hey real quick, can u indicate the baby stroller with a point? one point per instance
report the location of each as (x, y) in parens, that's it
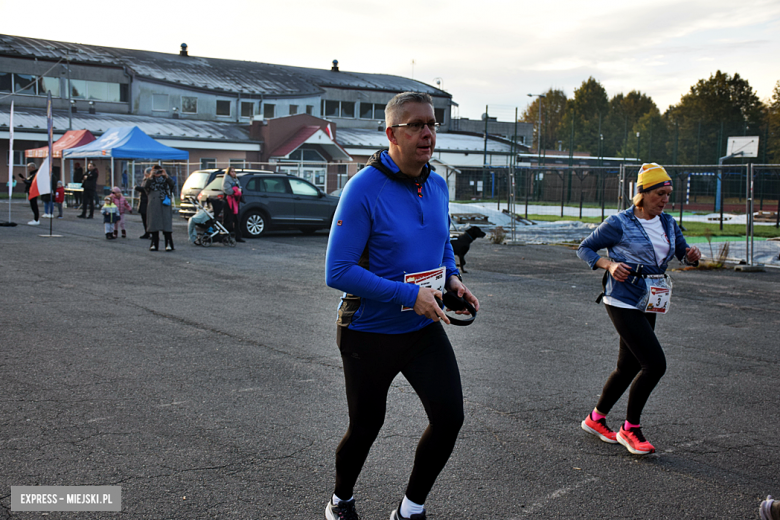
(204, 229)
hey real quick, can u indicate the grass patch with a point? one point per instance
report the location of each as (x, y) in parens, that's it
(692, 229)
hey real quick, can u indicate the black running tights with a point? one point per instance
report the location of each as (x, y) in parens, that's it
(371, 362)
(641, 362)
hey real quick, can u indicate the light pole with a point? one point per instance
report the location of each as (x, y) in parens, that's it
(637, 147)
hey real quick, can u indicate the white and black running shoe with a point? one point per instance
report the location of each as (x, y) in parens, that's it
(396, 515)
(344, 511)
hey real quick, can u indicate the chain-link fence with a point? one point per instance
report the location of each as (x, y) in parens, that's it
(714, 194)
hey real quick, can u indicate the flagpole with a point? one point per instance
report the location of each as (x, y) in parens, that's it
(50, 129)
(10, 168)
(50, 159)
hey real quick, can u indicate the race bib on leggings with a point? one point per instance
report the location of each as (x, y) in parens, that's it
(433, 279)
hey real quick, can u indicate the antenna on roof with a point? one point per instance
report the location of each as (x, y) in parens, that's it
(335, 67)
(183, 51)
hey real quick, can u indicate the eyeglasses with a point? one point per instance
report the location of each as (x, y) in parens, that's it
(418, 126)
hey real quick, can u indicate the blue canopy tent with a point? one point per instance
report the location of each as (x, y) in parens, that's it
(125, 143)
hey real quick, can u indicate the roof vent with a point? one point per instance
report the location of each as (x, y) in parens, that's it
(183, 51)
(335, 67)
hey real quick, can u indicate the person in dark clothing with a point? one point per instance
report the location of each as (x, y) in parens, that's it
(89, 183)
(32, 170)
(143, 200)
(78, 177)
(159, 211)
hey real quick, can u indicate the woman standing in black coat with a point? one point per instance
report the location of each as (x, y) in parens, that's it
(159, 215)
(143, 200)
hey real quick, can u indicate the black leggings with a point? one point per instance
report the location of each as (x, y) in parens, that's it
(371, 362)
(34, 208)
(640, 353)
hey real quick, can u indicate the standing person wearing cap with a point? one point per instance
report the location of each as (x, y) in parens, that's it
(390, 230)
(641, 241)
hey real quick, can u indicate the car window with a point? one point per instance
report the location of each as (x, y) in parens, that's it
(196, 180)
(300, 187)
(254, 184)
(274, 185)
(216, 184)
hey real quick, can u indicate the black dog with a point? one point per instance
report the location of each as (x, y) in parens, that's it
(462, 243)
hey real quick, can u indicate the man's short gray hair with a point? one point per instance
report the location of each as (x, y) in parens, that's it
(31, 163)
(394, 108)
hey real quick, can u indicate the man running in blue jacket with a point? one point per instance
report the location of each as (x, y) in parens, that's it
(389, 251)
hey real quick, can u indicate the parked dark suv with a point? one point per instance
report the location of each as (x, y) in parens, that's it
(198, 180)
(278, 201)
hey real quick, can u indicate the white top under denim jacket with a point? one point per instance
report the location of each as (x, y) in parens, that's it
(627, 242)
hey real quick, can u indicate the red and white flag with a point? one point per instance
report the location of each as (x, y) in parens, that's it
(41, 184)
(329, 131)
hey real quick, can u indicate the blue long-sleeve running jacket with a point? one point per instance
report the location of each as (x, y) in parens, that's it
(386, 225)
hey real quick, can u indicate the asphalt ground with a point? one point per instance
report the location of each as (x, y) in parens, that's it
(207, 384)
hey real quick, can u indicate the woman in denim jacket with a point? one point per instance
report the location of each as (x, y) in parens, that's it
(640, 241)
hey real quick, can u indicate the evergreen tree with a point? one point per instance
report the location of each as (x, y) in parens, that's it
(587, 111)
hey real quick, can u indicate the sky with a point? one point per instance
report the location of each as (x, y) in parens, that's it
(486, 53)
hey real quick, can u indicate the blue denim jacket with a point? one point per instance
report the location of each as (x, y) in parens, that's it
(626, 241)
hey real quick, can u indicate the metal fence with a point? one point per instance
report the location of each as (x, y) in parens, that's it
(716, 194)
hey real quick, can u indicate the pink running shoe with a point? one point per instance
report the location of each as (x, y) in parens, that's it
(599, 429)
(634, 441)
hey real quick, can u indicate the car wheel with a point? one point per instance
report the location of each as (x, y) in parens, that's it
(254, 224)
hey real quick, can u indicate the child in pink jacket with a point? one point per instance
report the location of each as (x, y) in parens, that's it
(124, 207)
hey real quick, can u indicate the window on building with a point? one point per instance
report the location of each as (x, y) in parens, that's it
(247, 109)
(366, 111)
(207, 164)
(306, 155)
(97, 90)
(189, 105)
(160, 102)
(114, 92)
(379, 111)
(332, 109)
(49, 85)
(78, 89)
(24, 84)
(439, 114)
(237, 163)
(310, 109)
(223, 107)
(293, 109)
(19, 158)
(6, 82)
(269, 110)
(347, 109)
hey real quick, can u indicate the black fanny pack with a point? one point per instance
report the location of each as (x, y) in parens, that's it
(453, 302)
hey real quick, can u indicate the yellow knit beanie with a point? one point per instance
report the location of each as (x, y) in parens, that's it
(652, 176)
